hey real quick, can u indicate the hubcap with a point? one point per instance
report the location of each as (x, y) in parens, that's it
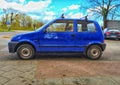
(25, 52)
(95, 52)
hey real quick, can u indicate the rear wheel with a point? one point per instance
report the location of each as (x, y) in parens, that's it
(94, 52)
(25, 51)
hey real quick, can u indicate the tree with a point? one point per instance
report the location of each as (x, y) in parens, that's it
(28, 21)
(18, 20)
(11, 13)
(105, 8)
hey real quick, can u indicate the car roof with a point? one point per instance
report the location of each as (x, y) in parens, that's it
(74, 19)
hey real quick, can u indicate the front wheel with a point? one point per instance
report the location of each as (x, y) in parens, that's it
(25, 51)
(94, 52)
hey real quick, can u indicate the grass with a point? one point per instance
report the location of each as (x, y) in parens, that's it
(12, 29)
(3, 30)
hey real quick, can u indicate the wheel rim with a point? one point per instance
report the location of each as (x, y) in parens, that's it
(95, 52)
(25, 52)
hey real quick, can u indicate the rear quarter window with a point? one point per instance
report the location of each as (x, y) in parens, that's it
(86, 26)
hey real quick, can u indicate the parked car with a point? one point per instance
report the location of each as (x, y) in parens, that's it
(105, 30)
(112, 34)
(61, 35)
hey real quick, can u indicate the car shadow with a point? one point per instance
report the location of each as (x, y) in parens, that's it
(57, 56)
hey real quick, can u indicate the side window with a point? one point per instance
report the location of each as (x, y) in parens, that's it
(85, 26)
(91, 27)
(61, 26)
(79, 27)
(56, 27)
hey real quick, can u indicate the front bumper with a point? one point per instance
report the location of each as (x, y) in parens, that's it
(12, 46)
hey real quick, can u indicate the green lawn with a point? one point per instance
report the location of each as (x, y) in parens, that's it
(3, 30)
(6, 30)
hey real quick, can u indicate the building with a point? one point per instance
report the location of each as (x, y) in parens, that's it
(113, 24)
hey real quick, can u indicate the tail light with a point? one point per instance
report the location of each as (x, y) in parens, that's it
(119, 33)
(107, 33)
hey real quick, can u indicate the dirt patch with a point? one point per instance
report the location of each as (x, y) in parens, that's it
(7, 37)
(68, 68)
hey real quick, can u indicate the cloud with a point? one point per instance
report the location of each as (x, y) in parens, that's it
(33, 16)
(49, 13)
(22, 1)
(48, 18)
(64, 10)
(77, 15)
(73, 7)
(17, 1)
(30, 7)
(36, 6)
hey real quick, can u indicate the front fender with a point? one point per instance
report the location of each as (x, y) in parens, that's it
(26, 41)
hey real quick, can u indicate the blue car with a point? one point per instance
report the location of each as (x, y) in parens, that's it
(61, 35)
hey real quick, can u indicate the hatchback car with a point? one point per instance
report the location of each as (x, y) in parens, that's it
(61, 35)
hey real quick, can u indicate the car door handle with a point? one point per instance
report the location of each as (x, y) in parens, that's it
(73, 35)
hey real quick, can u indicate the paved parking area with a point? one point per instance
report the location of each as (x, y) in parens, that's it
(53, 69)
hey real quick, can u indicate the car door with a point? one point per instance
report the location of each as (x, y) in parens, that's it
(58, 36)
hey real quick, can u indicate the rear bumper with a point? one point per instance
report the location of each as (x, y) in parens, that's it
(112, 37)
(12, 46)
(103, 46)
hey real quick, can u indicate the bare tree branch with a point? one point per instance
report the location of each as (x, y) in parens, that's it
(115, 6)
(106, 8)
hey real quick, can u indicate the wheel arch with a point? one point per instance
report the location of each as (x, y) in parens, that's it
(98, 44)
(24, 42)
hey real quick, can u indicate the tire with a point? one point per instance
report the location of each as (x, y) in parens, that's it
(25, 52)
(94, 52)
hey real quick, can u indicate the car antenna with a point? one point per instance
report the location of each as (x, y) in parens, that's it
(62, 16)
(86, 18)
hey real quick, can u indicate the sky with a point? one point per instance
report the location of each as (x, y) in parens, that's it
(46, 10)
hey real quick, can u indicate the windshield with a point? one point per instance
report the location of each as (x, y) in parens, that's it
(43, 26)
(40, 27)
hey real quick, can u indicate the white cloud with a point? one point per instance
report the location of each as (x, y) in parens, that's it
(77, 15)
(70, 14)
(36, 6)
(48, 18)
(21, 1)
(49, 13)
(30, 7)
(37, 10)
(64, 10)
(73, 7)
(34, 16)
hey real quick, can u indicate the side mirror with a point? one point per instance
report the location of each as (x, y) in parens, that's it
(45, 31)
